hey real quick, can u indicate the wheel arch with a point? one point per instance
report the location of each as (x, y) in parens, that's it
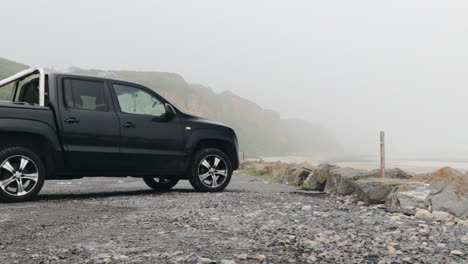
(36, 136)
(203, 139)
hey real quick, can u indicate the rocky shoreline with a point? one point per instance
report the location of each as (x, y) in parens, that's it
(441, 195)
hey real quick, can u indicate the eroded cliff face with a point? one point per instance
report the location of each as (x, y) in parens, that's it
(260, 131)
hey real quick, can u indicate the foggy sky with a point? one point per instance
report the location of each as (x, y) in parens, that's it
(356, 67)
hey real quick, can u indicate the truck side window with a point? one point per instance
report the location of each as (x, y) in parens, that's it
(133, 100)
(84, 94)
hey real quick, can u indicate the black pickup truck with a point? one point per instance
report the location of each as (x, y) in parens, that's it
(67, 126)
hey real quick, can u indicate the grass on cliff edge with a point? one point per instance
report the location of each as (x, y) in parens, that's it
(263, 175)
(277, 176)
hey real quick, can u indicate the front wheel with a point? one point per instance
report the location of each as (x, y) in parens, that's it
(160, 184)
(211, 171)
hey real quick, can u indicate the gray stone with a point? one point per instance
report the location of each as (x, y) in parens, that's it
(296, 176)
(395, 173)
(226, 261)
(411, 194)
(456, 252)
(341, 180)
(317, 180)
(376, 190)
(423, 214)
(449, 201)
(202, 260)
(449, 191)
(439, 215)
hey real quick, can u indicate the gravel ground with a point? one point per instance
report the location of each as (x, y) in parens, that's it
(119, 220)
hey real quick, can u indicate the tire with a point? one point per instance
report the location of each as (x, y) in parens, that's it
(160, 184)
(211, 171)
(22, 174)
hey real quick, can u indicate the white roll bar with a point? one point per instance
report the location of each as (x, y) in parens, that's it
(26, 73)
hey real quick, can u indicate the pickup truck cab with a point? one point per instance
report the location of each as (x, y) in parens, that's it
(67, 126)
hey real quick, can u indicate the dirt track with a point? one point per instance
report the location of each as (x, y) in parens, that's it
(120, 220)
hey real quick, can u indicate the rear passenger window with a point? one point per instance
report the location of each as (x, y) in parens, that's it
(86, 95)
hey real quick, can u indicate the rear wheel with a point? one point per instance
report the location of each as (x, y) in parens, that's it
(211, 171)
(22, 174)
(160, 184)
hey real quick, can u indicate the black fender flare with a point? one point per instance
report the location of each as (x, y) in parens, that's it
(226, 137)
(32, 127)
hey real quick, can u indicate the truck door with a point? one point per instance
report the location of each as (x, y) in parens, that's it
(149, 143)
(91, 129)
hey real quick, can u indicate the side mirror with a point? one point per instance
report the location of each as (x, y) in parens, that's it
(170, 112)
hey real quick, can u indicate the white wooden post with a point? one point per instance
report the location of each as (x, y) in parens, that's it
(382, 154)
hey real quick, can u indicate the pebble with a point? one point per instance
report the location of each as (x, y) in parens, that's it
(423, 214)
(168, 227)
(205, 260)
(391, 251)
(464, 224)
(104, 255)
(310, 243)
(464, 239)
(456, 252)
(242, 256)
(439, 215)
(225, 261)
(259, 257)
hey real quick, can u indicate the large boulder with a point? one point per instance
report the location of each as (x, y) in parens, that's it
(376, 190)
(445, 173)
(395, 173)
(318, 178)
(444, 190)
(451, 200)
(411, 194)
(341, 180)
(296, 175)
(449, 191)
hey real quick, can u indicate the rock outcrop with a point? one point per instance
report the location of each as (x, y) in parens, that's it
(411, 194)
(318, 178)
(444, 190)
(341, 180)
(376, 190)
(449, 191)
(395, 173)
(297, 175)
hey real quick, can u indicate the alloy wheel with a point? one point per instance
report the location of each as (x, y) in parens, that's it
(18, 175)
(212, 171)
